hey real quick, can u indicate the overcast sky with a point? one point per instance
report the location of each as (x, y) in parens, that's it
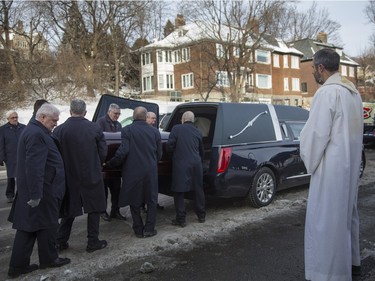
(355, 27)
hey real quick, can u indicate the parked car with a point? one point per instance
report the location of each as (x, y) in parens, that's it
(251, 150)
(369, 134)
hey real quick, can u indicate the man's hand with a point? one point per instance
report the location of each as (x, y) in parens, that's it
(1, 163)
(33, 203)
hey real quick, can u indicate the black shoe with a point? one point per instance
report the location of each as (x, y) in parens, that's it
(56, 263)
(150, 233)
(159, 207)
(10, 199)
(105, 216)
(118, 216)
(139, 235)
(100, 244)
(61, 246)
(176, 222)
(201, 220)
(356, 270)
(14, 272)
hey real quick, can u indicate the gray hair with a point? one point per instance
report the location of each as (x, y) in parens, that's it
(150, 114)
(9, 113)
(329, 58)
(47, 109)
(188, 116)
(78, 107)
(113, 106)
(140, 113)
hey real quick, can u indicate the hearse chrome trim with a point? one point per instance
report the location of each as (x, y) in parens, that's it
(251, 122)
(298, 176)
(275, 122)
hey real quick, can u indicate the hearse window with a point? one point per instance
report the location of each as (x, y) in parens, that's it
(203, 125)
(296, 129)
(126, 117)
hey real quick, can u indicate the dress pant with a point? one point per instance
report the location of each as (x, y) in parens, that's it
(114, 186)
(150, 223)
(24, 243)
(199, 205)
(65, 229)
(11, 186)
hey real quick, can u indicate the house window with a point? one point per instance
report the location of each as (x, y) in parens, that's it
(146, 58)
(286, 62)
(276, 60)
(236, 51)
(175, 96)
(168, 56)
(187, 80)
(177, 56)
(295, 62)
(295, 84)
(351, 71)
(169, 80)
(304, 87)
(160, 81)
(222, 79)
(220, 52)
(160, 56)
(286, 84)
(264, 81)
(344, 70)
(148, 83)
(263, 56)
(186, 54)
(165, 81)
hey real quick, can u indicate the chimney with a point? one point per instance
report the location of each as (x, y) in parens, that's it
(322, 37)
(179, 21)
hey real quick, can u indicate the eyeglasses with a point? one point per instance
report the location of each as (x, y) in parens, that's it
(116, 113)
(15, 117)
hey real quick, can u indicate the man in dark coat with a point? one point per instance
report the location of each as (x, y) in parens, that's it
(139, 154)
(186, 146)
(109, 123)
(83, 149)
(9, 135)
(40, 189)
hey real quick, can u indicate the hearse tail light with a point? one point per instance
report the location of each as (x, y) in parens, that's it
(224, 158)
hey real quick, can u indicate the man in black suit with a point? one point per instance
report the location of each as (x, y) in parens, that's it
(110, 123)
(83, 149)
(139, 153)
(186, 146)
(40, 189)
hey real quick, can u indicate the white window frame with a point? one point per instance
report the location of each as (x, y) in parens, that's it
(187, 80)
(146, 58)
(276, 60)
(222, 79)
(268, 81)
(285, 61)
(286, 84)
(166, 81)
(177, 56)
(265, 56)
(294, 62)
(185, 54)
(148, 83)
(160, 55)
(351, 71)
(296, 86)
(344, 70)
(220, 51)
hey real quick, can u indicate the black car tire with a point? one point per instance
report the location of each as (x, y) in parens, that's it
(363, 164)
(263, 188)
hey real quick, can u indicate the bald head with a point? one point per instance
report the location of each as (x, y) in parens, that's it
(188, 116)
(140, 113)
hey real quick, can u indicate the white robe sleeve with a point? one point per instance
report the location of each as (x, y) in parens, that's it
(316, 134)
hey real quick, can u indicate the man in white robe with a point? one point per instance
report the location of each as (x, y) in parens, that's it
(331, 148)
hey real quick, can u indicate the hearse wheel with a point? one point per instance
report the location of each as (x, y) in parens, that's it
(263, 188)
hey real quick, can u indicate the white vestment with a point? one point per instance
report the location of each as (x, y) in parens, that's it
(331, 148)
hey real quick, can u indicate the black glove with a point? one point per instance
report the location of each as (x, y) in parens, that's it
(1, 163)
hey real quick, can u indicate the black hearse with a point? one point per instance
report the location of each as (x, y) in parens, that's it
(251, 150)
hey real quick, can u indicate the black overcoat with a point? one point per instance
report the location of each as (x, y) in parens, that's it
(108, 125)
(40, 174)
(83, 149)
(186, 146)
(9, 136)
(139, 153)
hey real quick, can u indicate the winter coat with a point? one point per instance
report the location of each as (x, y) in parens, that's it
(40, 175)
(108, 125)
(139, 153)
(83, 149)
(186, 146)
(9, 136)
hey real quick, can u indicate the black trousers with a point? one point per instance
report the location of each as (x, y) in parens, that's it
(24, 243)
(66, 224)
(11, 186)
(150, 223)
(199, 205)
(114, 186)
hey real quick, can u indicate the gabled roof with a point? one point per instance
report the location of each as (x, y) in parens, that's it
(310, 46)
(187, 34)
